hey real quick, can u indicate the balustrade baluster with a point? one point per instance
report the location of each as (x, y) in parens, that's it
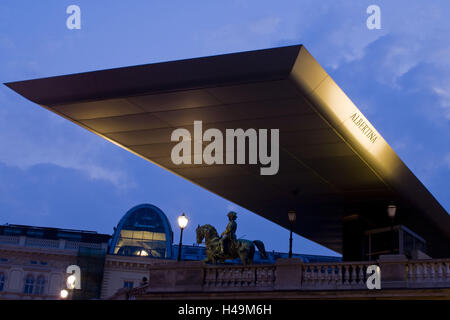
(339, 276)
(320, 275)
(440, 271)
(237, 277)
(416, 272)
(432, 272)
(410, 272)
(226, 277)
(447, 271)
(220, 276)
(211, 277)
(305, 275)
(361, 274)
(316, 275)
(328, 274)
(336, 276)
(353, 280)
(426, 274)
(346, 274)
(245, 277)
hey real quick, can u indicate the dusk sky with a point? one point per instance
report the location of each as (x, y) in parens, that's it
(53, 173)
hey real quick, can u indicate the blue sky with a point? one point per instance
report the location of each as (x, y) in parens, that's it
(54, 173)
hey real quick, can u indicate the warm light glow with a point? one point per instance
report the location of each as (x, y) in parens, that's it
(182, 221)
(292, 216)
(64, 293)
(71, 281)
(143, 253)
(332, 100)
(391, 210)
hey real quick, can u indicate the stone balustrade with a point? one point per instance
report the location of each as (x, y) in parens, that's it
(397, 272)
(48, 243)
(334, 276)
(432, 273)
(239, 277)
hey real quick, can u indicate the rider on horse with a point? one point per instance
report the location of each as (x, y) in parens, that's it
(228, 239)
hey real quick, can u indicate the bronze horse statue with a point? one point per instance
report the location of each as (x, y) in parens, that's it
(242, 249)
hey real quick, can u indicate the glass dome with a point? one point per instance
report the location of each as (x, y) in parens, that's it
(143, 231)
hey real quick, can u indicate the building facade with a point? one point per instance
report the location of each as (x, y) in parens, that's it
(144, 238)
(33, 261)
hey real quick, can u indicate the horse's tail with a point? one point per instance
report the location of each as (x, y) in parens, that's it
(261, 249)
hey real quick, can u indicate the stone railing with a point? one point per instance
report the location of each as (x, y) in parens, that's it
(428, 273)
(9, 240)
(75, 245)
(41, 243)
(239, 277)
(334, 276)
(48, 243)
(292, 275)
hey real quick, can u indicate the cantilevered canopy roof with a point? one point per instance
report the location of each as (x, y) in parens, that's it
(333, 162)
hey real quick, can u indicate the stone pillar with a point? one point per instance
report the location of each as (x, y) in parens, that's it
(288, 274)
(393, 271)
(173, 276)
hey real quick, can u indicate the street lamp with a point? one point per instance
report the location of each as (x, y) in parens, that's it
(391, 210)
(71, 284)
(182, 223)
(71, 281)
(64, 294)
(291, 216)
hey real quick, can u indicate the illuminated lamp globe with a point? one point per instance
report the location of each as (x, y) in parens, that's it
(64, 293)
(182, 221)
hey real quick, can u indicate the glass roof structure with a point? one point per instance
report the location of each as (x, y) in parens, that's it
(143, 231)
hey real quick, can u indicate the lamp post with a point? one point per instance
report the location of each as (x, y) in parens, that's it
(182, 223)
(64, 294)
(291, 216)
(391, 209)
(70, 283)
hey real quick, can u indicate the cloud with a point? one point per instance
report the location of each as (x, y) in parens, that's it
(265, 26)
(24, 143)
(25, 153)
(447, 160)
(443, 93)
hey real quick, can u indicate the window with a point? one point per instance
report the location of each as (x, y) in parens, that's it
(29, 283)
(35, 234)
(40, 283)
(143, 233)
(11, 232)
(2, 281)
(69, 236)
(128, 284)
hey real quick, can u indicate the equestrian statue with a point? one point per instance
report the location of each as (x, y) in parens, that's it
(226, 246)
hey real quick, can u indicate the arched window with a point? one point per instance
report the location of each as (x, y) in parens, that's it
(143, 231)
(40, 283)
(2, 281)
(29, 283)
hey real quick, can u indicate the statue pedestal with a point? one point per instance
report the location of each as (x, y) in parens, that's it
(393, 271)
(288, 274)
(173, 276)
